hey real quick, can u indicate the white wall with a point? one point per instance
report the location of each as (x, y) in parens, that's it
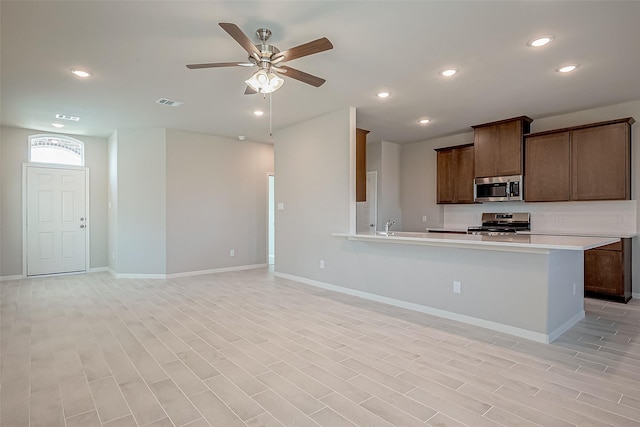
(216, 201)
(14, 148)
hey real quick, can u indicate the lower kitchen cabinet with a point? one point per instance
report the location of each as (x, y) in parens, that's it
(607, 271)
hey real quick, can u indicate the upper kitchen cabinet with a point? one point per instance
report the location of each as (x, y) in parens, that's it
(361, 165)
(601, 161)
(498, 147)
(547, 171)
(455, 174)
(588, 162)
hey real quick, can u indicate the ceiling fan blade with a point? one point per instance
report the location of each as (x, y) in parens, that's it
(302, 76)
(234, 31)
(219, 64)
(249, 91)
(310, 48)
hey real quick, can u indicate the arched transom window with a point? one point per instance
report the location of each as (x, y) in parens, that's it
(56, 149)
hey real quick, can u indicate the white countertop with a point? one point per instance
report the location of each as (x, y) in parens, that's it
(533, 243)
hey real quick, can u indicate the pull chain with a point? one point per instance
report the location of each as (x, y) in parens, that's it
(270, 116)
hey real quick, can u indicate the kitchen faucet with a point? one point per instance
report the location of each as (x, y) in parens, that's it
(388, 225)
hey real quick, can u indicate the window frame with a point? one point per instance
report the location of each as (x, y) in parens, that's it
(61, 138)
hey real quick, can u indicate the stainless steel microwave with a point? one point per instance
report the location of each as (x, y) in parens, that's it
(498, 189)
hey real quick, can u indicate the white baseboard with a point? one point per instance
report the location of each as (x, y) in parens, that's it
(185, 274)
(7, 278)
(98, 269)
(499, 327)
(215, 270)
(635, 295)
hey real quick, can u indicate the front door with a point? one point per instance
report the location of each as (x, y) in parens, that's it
(56, 220)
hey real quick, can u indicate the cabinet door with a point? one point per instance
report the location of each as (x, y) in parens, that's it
(464, 173)
(603, 272)
(486, 150)
(547, 168)
(601, 163)
(509, 161)
(361, 165)
(445, 189)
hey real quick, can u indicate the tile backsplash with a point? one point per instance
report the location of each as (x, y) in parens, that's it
(602, 217)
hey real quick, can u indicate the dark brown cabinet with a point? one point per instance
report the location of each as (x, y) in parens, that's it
(361, 165)
(455, 174)
(589, 162)
(547, 175)
(498, 147)
(607, 271)
(601, 162)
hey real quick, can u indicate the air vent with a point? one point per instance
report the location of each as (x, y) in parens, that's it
(169, 102)
(65, 117)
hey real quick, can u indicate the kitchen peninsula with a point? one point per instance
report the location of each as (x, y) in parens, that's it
(530, 286)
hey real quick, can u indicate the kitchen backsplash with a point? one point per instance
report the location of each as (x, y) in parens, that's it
(606, 217)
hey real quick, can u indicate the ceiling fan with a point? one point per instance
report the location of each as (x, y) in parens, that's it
(269, 58)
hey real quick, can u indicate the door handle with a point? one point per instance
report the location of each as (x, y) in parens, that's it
(82, 226)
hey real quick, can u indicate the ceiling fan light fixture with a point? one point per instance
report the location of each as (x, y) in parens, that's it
(263, 81)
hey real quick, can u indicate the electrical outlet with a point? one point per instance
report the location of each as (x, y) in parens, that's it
(457, 287)
(321, 263)
(280, 206)
(232, 252)
(424, 218)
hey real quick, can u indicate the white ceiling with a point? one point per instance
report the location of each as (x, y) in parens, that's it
(137, 51)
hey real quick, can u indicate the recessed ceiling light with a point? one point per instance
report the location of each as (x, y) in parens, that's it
(448, 73)
(258, 112)
(57, 125)
(540, 41)
(81, 73)
(567, 68)
(383, 94)
(423, 121)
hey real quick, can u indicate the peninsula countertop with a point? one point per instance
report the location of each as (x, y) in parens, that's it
(532, 243)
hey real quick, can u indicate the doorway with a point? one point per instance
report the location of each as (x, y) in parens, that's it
(271, 223)
(55, 234)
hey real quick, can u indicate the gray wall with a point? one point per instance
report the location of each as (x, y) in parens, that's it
(14, 148)
(315, 168)
(216, 201)
(140, 203)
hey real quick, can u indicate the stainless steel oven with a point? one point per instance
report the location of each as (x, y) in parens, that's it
(498, 188)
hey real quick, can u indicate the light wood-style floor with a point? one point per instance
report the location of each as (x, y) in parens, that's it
(245, 349)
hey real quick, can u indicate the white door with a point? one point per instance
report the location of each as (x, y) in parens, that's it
(367, 212)
(56, 220)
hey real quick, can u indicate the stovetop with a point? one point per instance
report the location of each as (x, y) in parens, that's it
(502, 223)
